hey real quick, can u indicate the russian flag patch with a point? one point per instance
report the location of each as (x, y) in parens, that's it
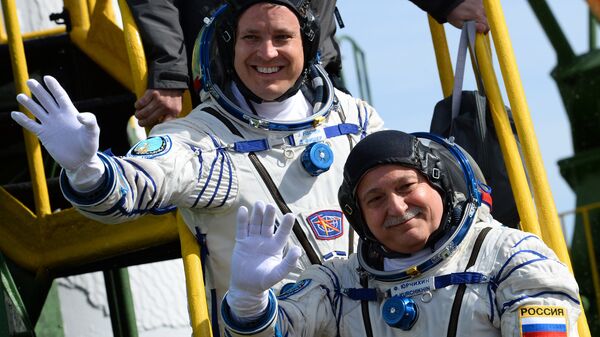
(543, 321)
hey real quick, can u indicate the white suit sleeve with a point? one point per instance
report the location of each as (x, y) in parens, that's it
(306, 308)
(157, 175)
(533, 290)
(368, 113)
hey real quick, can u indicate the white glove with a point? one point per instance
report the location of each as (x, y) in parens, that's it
(70, 137)
(258, 262)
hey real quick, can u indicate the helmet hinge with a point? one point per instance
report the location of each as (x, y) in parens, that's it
(226, 36)
(435, 173)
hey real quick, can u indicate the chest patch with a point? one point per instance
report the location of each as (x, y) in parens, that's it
(151, 147)
(327, 224)
(543, 321)
(291, 289)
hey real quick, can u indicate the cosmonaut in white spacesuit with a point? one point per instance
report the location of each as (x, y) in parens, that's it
(431, 260)
(271, 127)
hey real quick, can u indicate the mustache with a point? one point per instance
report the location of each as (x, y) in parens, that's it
(410, 213)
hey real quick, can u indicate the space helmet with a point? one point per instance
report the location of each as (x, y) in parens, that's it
(449, 170)
(212, 64)
(309, 26)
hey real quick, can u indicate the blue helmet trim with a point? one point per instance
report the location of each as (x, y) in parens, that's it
(205, 43)
(445, 250)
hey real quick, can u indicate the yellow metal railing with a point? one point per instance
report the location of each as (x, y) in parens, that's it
(44, 32)
(442, 56)
(584, 212)
(189, 246)
(45, 240)
(194, 282)
(20, 75)
(135, 51)
(3, 37)
(32, 35)
(531, 217)
(546, 209)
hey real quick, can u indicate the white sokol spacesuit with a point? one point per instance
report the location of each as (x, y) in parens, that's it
(479, 279)
(187, 163)
(221, 156)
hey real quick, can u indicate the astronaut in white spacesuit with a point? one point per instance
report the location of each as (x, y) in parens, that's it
(431, 260)
(271, 127)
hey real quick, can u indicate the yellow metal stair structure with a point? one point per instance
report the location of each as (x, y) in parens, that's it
(42, 240)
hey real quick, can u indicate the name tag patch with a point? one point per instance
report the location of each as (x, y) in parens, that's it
(326, 225)
(413, 288)
(543, 321)
(151, 147)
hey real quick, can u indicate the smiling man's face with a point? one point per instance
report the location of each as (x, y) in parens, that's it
(400, 207)
(268, 50)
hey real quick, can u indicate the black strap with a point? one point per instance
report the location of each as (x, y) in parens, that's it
(364, 304)
(460, 292)
(284, 208)
(264, 174)
(214, 321)
(201, 239)
(338, 17)
(467, 41)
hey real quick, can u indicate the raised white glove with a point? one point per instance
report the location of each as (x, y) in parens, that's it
(258, 262)
(70, 137)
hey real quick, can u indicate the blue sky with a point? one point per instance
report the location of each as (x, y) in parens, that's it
(405, 84)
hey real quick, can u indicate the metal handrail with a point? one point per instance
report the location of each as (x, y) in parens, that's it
(3, 37)
(33, 35)
(508, 144)
(40, 241)
(190, 248)
(546, 210)
(360, 62)
(20, 75)
(442, 56)
(584, 211)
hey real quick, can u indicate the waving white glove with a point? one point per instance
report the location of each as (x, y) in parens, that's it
(70, 137)
(258, 262)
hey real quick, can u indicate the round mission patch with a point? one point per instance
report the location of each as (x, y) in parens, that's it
(291, 289)
(151, 147)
